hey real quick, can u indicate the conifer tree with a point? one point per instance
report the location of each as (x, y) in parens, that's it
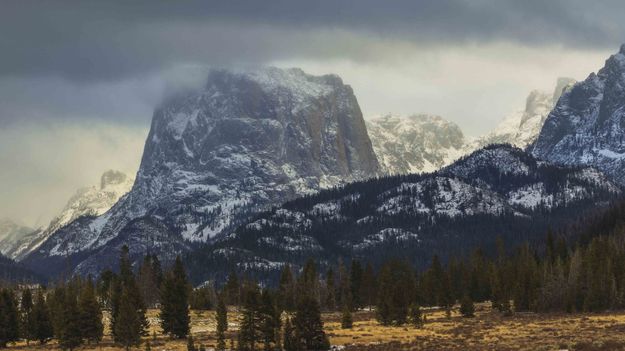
(368, 289)
(415, 317)
(308, 281)
(147, 282)
(289, 342)
(70, 333)
(250, 320)
(467, 309)
(396, 291)
(128, 326)
(232, 289)
(222, 322)
(90, 313)
(9, 320)
(174, 313)
(42, 326)
(330, 300)
(286, 289)
(126, 282)
(27, 320)
(308, 326)
(344, 293)
(356, 273)
(346, 318)
(270, 320)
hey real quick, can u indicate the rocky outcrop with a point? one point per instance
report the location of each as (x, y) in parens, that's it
(587, 126)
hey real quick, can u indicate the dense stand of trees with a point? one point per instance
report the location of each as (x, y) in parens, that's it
(550, 277)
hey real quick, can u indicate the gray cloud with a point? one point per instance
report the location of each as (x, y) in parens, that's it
(79, 79)
(99, 40)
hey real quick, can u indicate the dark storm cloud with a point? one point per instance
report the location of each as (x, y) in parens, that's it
(108, 40)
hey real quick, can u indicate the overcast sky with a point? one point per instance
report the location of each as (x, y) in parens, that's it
(79, 79)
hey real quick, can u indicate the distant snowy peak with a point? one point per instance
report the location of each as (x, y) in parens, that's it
(94, 201)
(587, 126)
(414, 144)
(11, 233)
(88, 201)
(521, 128)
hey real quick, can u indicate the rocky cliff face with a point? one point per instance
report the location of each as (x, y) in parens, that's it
(587, 126)
(522, 127)
(215, 157)
(415, 144)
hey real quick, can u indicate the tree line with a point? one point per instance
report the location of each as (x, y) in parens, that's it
(588, 277)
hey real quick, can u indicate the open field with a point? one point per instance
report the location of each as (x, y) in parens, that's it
(488, 331)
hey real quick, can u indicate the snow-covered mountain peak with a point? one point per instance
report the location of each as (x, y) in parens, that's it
(587, 126)
(522, 127)
(415, 143)
(88, 201)
(214, 157)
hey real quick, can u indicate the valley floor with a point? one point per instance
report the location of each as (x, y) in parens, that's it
(487, 331)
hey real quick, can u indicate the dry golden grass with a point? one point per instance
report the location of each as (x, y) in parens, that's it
(488, 331)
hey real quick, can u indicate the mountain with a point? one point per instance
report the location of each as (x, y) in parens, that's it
(415, 144)
(215, 157)
(88, 201)
(587, 126)
(11, 234)
(424, 143)
(496, 191)
(522, 127)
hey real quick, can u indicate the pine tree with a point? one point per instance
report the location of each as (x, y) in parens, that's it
(346, 319)
(330, 300)
(222, 322)
(270, 320)
(9, 326)
(415, 317)
(308, 325)
(57, 308)
(290, 341)
(175, 302)
(147, 346)
(356, 273)
(147, 282)
(42, 326)
(91, 326)
(286, 289)
(344, 294)
(368, 288)
(70, 334)
(467, 309)
(396, 291)
(27, 320)
(126, 282)
(128, 326)
(232, 289)
(250, 320)
(308, 281)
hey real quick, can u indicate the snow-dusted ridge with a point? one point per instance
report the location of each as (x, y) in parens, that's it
(497, 190)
